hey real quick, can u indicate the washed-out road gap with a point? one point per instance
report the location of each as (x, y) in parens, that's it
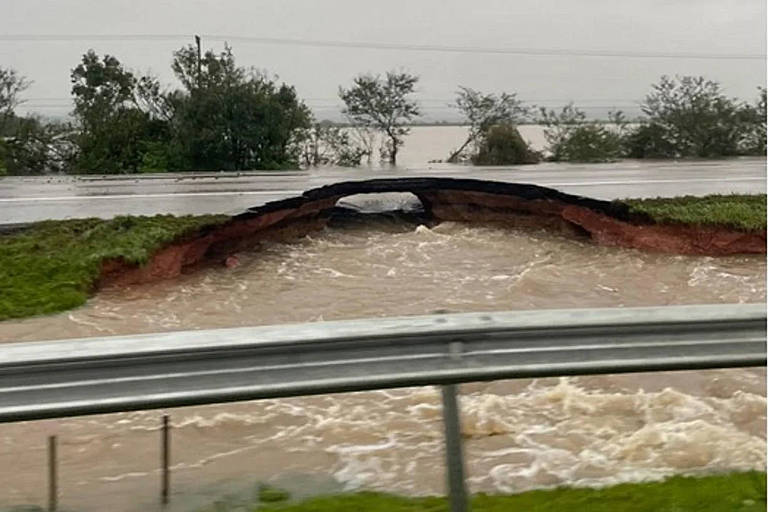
(29, 199)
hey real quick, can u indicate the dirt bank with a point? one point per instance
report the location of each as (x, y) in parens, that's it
(443, 199)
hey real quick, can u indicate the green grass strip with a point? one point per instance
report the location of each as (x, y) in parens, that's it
(53, 265)
(735, 492)
(741, 212)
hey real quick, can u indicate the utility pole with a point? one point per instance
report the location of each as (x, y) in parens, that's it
(199, 60)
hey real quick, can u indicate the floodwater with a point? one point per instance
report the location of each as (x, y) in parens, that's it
(426, 144)
(520, 434)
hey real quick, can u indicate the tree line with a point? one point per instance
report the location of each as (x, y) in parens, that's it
(683, 117)
(227, 117)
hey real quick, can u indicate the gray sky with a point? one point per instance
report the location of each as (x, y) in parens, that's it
(709, 27)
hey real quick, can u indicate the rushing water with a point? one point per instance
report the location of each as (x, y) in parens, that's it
(520, 434)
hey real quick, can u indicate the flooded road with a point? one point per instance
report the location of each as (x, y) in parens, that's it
(520, 434)
(33, 198)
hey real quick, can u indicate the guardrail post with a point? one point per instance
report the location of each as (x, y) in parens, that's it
(454, 453)
(166, 458)
(52, 476)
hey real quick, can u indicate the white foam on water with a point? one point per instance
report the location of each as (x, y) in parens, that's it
(123, 476)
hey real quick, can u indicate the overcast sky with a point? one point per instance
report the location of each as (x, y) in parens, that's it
(668, 27)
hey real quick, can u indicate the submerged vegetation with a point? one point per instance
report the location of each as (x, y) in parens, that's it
(54, 265)
(571, 137)
(735, 492)
(502, 145)
(493, 137)
(683, 117)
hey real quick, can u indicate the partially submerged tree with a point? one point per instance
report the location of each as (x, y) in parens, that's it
(502, 144)
(11, 86)
(483, 111)
(363, 137)
(383, 104)
(572, 137)
(327, 144)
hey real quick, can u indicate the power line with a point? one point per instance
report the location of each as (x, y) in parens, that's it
(432, 100)
(431, 103)
(448, 109)
(338, 106)
(543, 52)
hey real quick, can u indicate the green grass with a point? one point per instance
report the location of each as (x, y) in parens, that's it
(53, 265)
(742, 212)
(735, 492)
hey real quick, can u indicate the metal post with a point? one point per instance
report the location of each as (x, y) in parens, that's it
(52, 484)
(199, 60)
(166, 458)
(454, 454)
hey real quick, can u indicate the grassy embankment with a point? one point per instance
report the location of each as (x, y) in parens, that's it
(735, 492)
(53, 266)
(740, 212)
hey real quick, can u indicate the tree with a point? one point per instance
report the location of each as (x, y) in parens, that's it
(383, 104)
(324, 143)
(38, 147)
(363, 137)
(114, 129)
(29, 144)
(11, 86)
(572, 137)
(483, 111)
(753, 136)
(689, 117)
(228, 117)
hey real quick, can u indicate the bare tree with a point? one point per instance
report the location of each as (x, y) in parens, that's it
(383, 104)
(324, 143)
(483, 111)
(364, 137)
(11, 86)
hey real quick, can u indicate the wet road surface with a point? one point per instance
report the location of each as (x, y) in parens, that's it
(28, 199)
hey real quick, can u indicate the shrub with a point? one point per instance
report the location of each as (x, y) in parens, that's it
(571, 137)
(37, 147)
(590, 143)
(326, 144)
(503, 145)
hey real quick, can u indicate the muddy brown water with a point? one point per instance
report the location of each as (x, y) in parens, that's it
(520, 434)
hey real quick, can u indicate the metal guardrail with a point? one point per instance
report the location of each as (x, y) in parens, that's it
(122, 373)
